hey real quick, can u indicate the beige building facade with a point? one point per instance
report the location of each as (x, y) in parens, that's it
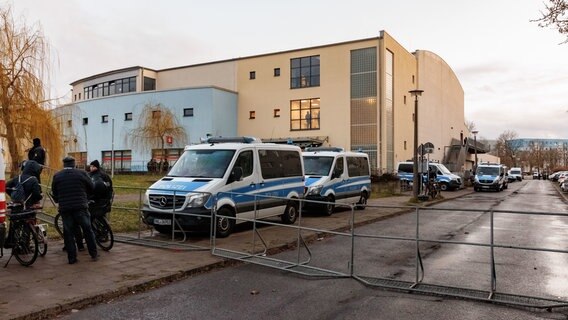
(353, 95)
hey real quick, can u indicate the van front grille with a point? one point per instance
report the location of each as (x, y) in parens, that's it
(165, 201)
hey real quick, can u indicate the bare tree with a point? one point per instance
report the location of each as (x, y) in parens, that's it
(508, 148)
(536, 155)
(155, 124)
(470, 125)
(555, 15)
(23, 105)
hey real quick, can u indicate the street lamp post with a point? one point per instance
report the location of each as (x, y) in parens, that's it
(416, 177)
(475, 132)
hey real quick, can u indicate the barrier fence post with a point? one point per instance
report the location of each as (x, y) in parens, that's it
(417, 244)
(352, 226)
(298, 243)
(492, 240)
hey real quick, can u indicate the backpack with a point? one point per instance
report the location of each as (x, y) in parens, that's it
(18, 194)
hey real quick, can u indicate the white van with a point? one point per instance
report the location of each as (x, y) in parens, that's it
(240, 177)
(333, 175)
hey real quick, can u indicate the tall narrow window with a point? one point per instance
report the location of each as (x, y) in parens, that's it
(277, 72)
(85, 121)
(252, 75)
(252, 115)
(104, 118)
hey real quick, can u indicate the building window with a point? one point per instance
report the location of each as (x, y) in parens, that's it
(156, 114)
(276, 113)
(412, 79)
(277, 72)
(305, 114)
(128, 116)
(252, 75)
(161, 161)
(149, 84)
(104, 119)
(69, 123)
(118, 86)
(405, 99)
(188, 112)
(85, 121)
(305, 72)
(252, 115)
(75, 98)
(404, 144)
(79, 95)
(122, 160)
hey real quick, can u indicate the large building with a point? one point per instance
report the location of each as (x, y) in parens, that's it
(353, 95)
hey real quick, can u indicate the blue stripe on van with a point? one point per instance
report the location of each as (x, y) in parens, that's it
(179, 187)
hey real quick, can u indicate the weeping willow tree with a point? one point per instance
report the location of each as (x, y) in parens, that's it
(24, 104)
(155, 124)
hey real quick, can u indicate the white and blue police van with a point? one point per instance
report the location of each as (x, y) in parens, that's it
(490, 176)
(334, 175)
(445, 178)
(238, 177)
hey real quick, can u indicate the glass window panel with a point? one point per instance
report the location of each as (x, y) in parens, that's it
(305, 104)
(295, 63)
(315, 60)
(295, 105)
(132, 86)
(295, 115)
(314, 81)
(112, 88)
(315, 70)
(305, 62)
(295, 83)
(295, 73)
(295, 125)
(305, 71)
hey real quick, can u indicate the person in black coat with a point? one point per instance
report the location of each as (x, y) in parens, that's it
(103, 192)
(37, 154)
(32, 189)
(71, 190)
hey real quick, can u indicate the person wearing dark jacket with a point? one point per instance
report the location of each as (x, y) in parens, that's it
(37, 154)
(72, 188)
(103, 193)
(32, 189)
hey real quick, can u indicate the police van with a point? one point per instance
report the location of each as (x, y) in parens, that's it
(490, 176)
(239, 177)
(334, 175)
(444, 177)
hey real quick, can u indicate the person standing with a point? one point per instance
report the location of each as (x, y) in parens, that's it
(103, 191)
(71, 189)
(37, 154)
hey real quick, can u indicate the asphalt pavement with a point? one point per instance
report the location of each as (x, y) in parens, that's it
(51, 286)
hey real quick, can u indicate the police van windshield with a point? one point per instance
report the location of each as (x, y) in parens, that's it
(488, 171)
(317, 166)
(202, 164)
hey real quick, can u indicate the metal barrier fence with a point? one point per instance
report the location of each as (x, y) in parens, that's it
(349, 233)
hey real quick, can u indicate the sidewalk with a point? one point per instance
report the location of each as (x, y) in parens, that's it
(51, 286)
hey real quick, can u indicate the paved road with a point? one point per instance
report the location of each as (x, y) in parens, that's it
(256, 292)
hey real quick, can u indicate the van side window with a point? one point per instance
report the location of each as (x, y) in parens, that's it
(245, 161)
(338, 169)
(357, 166)
(279, 163)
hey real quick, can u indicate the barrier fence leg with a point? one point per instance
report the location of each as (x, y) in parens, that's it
(492, 240)
(352, 226)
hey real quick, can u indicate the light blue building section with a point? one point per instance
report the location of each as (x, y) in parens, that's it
(214, 113)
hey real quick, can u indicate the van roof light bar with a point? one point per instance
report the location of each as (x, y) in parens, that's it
(243, 139)
(332, 149)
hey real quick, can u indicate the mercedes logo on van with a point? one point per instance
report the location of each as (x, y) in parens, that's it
(163, 201)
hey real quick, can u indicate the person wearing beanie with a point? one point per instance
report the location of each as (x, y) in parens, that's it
(71, 189)
(37, 154)
(103, 193)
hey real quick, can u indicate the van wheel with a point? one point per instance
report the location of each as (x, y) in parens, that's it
(330, 205)
(290, 213)
(444, 186)
(224, 226)
(362, 201)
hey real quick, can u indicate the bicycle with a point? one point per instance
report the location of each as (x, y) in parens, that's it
(23, 236)
(104, 236)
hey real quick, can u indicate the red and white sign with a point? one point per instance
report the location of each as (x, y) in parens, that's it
(169, 139)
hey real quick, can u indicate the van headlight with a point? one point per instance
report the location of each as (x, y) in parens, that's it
(146, 200)
(314, 190)
(197, 200)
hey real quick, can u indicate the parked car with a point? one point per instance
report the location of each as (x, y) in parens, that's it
(536, 175)
(564, 186)
(515, 174)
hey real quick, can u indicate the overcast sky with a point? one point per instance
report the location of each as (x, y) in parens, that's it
(514, 73)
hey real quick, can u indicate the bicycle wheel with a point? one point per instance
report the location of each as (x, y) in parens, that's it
(41, 240)
(58, 223)
(25, 245)
(103, 233)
